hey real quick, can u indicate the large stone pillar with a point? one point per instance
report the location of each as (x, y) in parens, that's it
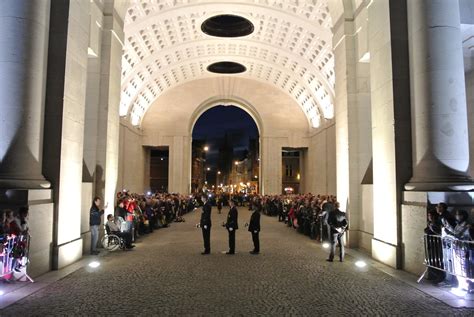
(23, 57)
(353, 119)
(64, 123)
(438, 97)
(391, 133)
(108, 114)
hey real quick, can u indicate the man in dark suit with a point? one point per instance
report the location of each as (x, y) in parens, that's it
(205, 224)
(232, 226)
(337, 223)
(254, 228)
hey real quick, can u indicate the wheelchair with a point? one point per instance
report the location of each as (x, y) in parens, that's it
(112, 242)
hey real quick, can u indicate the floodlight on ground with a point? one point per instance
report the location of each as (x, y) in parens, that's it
(458, 291)
(326, 245)
(94, 264)
(360, 264)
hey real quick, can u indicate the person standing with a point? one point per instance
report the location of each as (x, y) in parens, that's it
(205, 225)
(219, 204)
(254, 228)
(94, 222)
(232, 226)
(337, 223)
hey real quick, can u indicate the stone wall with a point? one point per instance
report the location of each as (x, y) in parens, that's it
(132, 160)
(321, 162)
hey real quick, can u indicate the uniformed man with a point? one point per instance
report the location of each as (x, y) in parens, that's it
(254, 228)
(337, 223)
(232, 226)
(205, 224)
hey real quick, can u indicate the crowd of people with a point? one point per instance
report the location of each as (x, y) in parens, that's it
(454, 225)
(136, 215)
(317, 216)
(14, 237)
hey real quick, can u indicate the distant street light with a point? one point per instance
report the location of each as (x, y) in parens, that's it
(236, 163)
(208, 168)
(206, 148)
(218, 172)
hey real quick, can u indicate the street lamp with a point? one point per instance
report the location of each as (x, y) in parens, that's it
(218, 172)
(206, 148)
(208, 168)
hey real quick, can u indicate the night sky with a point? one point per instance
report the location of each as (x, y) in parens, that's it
(215, 122)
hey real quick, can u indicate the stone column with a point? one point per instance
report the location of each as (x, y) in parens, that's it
(353, 118)
(271, 162)
(390, 113)
(108, 112)
(438, 97)
(64, 123)
(23, 60)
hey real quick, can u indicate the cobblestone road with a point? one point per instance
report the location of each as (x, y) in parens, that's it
(166, 275)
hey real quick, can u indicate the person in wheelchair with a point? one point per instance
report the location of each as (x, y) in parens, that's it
(115, 229)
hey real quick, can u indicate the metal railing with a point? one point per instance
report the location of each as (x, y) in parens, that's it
(448, 254)
(14, 256)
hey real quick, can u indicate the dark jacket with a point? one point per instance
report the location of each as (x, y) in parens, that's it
(206, 215)
(232, 219)
(254, 224)
(337, 220)
(95, 213)
(120, 212)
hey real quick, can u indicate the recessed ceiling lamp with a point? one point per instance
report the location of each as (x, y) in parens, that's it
(226, 68)
(227, 25)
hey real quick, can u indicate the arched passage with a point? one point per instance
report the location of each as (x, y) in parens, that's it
(169, 122)
(225, 150)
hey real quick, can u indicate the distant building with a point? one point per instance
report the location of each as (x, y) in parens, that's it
(291, 171)
(159, 164)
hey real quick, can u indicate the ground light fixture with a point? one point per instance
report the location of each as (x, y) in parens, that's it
(360, 264)
(94, 264)
(326, 245)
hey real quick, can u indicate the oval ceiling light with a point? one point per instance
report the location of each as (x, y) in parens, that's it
(227, 25)
(226, 68)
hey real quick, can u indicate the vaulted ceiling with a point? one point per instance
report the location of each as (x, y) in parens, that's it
(290, 48)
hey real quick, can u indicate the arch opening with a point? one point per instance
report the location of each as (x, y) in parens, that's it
(225, 156)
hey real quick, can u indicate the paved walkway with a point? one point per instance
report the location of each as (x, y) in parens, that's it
(166, 275)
